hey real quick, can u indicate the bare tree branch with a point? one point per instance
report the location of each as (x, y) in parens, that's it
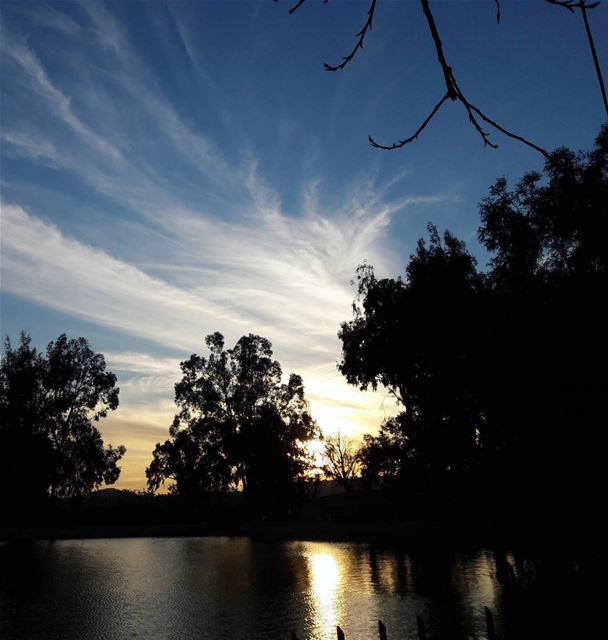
(453, 91)
(402, 143)
(497, 11)
(299, 4)
(296, 6)
(445, 67)
(485, 136)
(366, 27)
(508, 133)
(571, 5)
(596, 62)
(342, 458)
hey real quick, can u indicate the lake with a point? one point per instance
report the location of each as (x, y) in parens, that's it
(222, 588)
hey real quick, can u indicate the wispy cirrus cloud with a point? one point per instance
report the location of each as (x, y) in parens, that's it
(59, 104)
(231, 255)
(29, 146)
(49, 17)
(280, 275)
(142, 363)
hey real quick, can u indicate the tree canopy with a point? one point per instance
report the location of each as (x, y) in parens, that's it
(49, 404)
(341, 458)
(415, 336)
(237, 426)
(500, 373)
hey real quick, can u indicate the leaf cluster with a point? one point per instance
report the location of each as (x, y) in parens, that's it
(500, 373)
(49, 404)
(237, 426)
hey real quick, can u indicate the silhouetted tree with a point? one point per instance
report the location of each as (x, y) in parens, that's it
(548, 279)
(342, 458)
(48, 403)
(416, 337)
(502, 375)
(237, 425)
(387, 455)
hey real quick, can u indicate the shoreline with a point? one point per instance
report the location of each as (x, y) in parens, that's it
(412, 534)
(336, 531)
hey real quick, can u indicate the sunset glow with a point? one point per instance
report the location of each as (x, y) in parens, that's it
(161, 182)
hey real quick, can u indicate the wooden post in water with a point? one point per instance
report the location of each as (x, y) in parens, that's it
(340, 633)
(490, 624)
(421, 628)
(381, 630)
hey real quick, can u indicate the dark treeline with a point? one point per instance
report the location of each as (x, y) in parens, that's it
(49, 404)
(500, 374)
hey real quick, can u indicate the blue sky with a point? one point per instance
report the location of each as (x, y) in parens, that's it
(173, 169)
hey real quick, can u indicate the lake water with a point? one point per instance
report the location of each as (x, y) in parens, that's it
(238, 589)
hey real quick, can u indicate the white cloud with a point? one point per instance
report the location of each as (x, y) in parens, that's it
(286, 279)
(49, 17)
(136, 80)
(279, 275)
(41, 264)
(60, 103)
(141, 363)
(30, 146)
(236, 263)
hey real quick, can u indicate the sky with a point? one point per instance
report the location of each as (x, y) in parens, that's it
(172, 169)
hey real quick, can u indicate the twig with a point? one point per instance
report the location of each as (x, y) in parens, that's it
(468, 106)
(571, 5)
(454, 92)
(299, 4)
(366, 27)
(596, 62)
(508, 133)
(296, 6)
(402, 143)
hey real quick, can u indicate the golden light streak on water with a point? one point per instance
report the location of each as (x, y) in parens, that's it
(326, 588)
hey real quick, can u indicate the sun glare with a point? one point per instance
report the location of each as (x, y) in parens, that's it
(315, 448)
(325, 578)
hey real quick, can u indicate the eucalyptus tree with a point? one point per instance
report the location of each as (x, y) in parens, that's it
(417, 338)
(238, 426)
(546, 384)
(49, 405)
(501, 374)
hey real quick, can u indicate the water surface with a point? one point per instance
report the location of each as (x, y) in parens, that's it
(238, 589)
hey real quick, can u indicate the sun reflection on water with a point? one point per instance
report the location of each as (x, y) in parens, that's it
(325, 594)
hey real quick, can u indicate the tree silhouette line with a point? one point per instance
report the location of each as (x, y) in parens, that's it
(49, 404)
(238, 426)
(500, 374)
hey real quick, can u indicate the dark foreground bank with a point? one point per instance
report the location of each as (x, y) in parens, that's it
(573, 541)
(375, 517)
(414, 532)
